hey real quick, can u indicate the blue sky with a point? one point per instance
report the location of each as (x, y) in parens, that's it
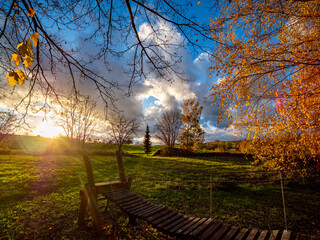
(152, 97)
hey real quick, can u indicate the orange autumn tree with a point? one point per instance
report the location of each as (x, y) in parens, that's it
(269, 88)
(192, 135)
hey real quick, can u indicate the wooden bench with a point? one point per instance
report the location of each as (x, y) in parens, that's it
(89, 195)
(163, 218)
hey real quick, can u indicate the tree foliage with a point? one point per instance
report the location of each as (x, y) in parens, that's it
(168, 128)
(192, 135)
(147, 142)
(269, 77)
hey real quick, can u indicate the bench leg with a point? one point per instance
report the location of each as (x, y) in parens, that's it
(132, 220)
(93, 210)
(107, 205)
(83, 208)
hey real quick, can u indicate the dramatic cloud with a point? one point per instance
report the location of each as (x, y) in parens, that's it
(149, 98)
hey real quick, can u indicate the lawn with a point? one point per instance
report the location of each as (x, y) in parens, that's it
(39, 192)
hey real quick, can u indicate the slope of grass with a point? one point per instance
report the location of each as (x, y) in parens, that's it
(39, 194)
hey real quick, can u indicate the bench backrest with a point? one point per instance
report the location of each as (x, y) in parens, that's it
(88, 166)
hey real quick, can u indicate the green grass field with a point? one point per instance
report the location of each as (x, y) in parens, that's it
(39, 191)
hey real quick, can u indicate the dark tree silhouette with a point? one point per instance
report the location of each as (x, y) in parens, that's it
(168, 128)
(147, 142)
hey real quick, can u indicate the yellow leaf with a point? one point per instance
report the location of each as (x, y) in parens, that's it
(28, 62)
(35, 38)
(12, 78)
(25, 49)
(21, 77)
(31, 12)
(16, 77)
(16, 58)
(29, 46)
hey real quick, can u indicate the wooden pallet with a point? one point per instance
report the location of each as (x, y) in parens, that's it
(171, 222)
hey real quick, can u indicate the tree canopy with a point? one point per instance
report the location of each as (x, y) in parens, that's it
(121, 128)
(168, 128)
(269, 77)
(192, 135)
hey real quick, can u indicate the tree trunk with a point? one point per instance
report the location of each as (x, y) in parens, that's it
(120, 166)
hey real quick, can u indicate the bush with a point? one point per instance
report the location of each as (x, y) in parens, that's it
(171, 152)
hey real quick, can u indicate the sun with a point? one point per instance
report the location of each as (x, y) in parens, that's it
(48, 129)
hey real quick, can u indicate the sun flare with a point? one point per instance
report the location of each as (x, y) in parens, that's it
(48, 129)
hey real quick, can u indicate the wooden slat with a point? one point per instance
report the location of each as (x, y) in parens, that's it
(185, 227)
(263, 235)
(132, 203)
(122, 196)
(172, 220)
(149, 207)
(210, 231)
(254, 232)
(159, 214)
(152, 212)
(194, 226)
(221, 232)
(146, 206)
(232, 232)
(181, 224)
(115, 193)
(286, 235)
(131, 209)
(164, 218)
(127, 200)
(273, 234)
(154, 207)
(197, 231)
(242, 234)
(170, 224)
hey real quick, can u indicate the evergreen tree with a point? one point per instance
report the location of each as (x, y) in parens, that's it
(146, 141)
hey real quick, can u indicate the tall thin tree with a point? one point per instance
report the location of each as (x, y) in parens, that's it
(147, 142)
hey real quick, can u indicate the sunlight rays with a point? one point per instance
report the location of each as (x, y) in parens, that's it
(48, 129)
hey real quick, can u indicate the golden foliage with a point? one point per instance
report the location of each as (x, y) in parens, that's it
(192, 135)
(16, 58)
(31, 12)
(269, 77)
(15, 77)
(35, 38)
(25, 50)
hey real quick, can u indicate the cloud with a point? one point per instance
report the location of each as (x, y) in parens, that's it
(190, 80)
(170, 95)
